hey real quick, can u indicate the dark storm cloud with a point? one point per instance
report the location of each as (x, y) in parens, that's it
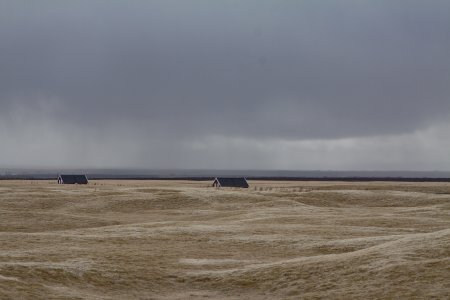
(261, 69)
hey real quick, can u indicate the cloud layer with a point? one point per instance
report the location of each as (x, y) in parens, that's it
(187, 84)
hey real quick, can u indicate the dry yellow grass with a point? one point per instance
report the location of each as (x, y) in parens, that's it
(180, 239)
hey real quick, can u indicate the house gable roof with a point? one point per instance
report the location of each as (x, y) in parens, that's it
(73, 179)
(232, 182)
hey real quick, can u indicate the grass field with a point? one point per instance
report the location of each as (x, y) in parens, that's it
(181, 239)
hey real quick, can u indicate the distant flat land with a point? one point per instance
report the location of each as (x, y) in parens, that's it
(184, 239)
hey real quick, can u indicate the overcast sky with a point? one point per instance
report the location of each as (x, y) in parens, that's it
(342, 85)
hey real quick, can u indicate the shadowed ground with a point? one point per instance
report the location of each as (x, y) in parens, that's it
(180, 239)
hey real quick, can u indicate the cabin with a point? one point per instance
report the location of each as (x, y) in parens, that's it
(72, 179)
(239, 182)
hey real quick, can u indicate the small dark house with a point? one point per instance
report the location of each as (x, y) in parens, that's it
(240, 182)
(72, 179)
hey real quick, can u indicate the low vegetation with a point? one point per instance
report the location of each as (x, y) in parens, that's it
(182, 239)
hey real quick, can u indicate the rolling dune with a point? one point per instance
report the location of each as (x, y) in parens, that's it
(181, 239)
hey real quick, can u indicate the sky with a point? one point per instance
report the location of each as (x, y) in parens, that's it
(214, 84)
